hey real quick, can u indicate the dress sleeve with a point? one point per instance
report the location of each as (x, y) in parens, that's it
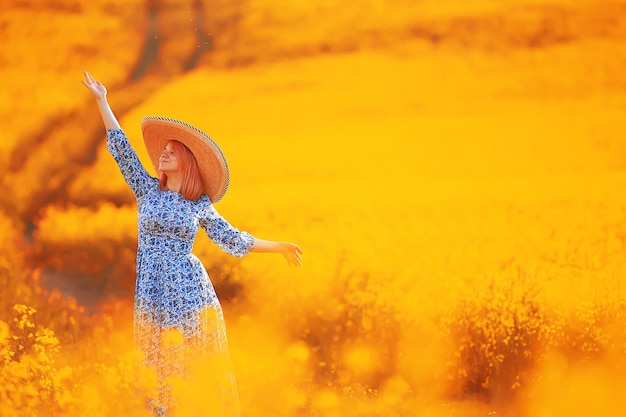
(228, 238)
(133, 171)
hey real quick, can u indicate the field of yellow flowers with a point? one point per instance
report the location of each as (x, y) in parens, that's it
(453, 172)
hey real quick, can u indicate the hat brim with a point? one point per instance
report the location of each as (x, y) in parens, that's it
(158, 131)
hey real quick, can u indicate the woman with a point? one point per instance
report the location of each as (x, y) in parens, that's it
(173, 292)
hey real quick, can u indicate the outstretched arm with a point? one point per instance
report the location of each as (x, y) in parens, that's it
(100, 93)
(238, 243)
(290, 251)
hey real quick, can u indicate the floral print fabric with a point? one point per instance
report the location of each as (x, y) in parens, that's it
(173, 291)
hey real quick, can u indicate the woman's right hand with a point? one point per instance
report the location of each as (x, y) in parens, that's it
(96, 87)
(100, 93)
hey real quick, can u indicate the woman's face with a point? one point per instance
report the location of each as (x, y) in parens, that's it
(167, 160)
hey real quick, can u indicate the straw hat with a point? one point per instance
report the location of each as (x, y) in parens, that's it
(157, 131)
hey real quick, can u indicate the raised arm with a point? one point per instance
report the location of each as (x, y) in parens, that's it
(100, 93)
(117, 143)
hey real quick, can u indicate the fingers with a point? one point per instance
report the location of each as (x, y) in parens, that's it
(293, 254)
(95, 86)
(297, 256)
(90, 80)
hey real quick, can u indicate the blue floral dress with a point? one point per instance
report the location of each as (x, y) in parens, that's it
(173, 292)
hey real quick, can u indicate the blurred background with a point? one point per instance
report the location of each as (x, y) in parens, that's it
(453, 171)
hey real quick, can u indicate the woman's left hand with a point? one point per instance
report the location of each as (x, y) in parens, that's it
(292, 253)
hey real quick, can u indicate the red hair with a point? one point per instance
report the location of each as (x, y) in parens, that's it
(191, 187)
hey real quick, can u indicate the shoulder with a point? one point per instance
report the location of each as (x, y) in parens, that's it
(204, 203)
(205, 206)
(151, 184)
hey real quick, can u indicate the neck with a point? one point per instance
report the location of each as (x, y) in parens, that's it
(174, 182)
